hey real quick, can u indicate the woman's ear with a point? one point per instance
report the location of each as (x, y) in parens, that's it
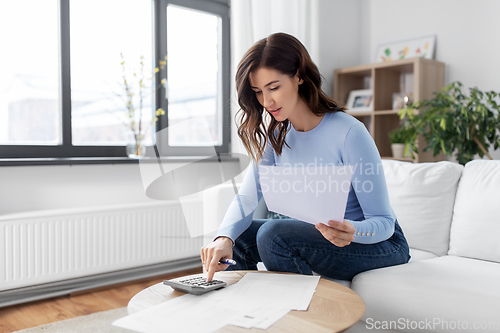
(298, 79)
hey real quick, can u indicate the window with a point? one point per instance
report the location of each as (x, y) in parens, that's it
(198, 76)
(63, 92)
(117, 27)
(30, 112)
(193, 75)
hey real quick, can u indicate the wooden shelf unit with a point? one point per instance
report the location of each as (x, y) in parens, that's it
(420, 77)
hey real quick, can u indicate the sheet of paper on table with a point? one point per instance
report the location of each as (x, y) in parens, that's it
(262, 318)
(257, 300)
(281, 291)
(311, 194)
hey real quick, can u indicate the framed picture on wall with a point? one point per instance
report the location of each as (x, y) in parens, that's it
(410, 48)
(360, 101)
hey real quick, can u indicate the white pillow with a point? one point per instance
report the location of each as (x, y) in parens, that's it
(422, 196)
(476, 220)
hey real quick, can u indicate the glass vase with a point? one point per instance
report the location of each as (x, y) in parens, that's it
(135, 146)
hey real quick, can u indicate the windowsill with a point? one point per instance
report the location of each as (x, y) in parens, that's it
(107, 160)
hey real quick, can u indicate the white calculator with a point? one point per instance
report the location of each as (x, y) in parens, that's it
(196, 286)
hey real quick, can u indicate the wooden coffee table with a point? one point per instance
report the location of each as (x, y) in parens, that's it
(333, 307)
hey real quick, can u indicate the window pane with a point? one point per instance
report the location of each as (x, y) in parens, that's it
(194, 76)
(29, 84)
(100, 32)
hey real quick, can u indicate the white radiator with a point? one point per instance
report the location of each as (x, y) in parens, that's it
(42, 247)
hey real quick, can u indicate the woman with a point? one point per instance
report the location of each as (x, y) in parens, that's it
(277, 77)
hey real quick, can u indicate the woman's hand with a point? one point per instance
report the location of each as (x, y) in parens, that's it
(338, 233)
(222, 247)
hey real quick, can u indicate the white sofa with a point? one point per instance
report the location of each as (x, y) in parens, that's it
(449, 216)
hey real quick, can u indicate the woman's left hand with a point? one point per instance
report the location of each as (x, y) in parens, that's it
(338, 233)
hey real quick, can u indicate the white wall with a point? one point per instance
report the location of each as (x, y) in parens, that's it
(467, 34)
(466, 30)
(338, 37)
(32, 188)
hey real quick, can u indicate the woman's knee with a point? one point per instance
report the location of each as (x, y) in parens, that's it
(270, 229)
(273, 233)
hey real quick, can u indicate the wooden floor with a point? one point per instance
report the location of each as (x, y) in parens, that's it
(18, 317)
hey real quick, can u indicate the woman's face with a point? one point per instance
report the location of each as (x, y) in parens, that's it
(278, 93)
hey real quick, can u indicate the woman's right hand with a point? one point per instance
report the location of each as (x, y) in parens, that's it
(220, 248)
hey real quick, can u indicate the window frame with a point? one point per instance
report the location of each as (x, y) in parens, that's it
(215, 7)
(67, 150)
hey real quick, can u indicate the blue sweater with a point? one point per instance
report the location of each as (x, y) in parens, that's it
(339, 139)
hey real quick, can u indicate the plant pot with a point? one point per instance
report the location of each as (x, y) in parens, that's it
(398, 150)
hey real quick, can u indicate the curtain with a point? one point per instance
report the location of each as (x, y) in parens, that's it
(252, 20)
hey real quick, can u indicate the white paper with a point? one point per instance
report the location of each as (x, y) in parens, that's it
(187, 314)
(281, 291)
(262, 318)
(216, 309)
(276, 315)
(310, 194)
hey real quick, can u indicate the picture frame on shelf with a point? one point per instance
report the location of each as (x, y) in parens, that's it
(360, 101)
(423, 47)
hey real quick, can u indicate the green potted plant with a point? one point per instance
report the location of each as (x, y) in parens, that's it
(454, 123)
(402, 141)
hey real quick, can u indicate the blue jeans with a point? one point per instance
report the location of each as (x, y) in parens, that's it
(298, 247)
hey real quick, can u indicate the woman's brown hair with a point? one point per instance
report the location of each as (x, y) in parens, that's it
(286, 54)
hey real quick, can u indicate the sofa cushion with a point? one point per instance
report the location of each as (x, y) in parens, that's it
(422, 196)
(417, 255)
(445, 291)
(476, 220)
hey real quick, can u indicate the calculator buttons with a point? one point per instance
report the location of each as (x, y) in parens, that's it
(198, 285)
